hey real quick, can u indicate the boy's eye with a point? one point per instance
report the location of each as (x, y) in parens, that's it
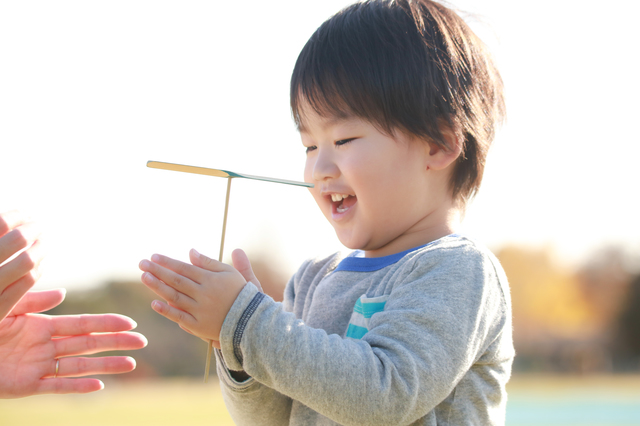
(309, 149)
(344, 141)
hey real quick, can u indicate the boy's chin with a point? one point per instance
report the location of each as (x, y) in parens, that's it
(348, 243)
(351, 243)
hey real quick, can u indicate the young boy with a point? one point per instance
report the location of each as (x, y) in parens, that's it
(396, 103)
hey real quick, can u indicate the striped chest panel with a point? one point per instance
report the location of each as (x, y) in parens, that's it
(364, 308)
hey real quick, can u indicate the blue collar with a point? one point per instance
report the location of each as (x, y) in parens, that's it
(355, 263)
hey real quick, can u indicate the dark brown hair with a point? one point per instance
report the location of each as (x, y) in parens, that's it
(410, 65)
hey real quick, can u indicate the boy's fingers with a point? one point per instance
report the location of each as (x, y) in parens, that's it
(242, 264)
(186, 329)
(170, 294)
(205, 262)
(181, 276)
(176, 315)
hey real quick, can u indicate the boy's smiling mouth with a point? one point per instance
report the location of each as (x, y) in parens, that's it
(342, 202)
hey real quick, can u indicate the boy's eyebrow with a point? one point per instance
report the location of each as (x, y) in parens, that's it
(328, 122)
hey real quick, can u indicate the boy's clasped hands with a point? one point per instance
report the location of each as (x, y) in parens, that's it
(191, 289)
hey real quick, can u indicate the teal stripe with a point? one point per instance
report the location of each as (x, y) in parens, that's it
(372, 308)
(363, 310)
(368, 309)
(356, 332)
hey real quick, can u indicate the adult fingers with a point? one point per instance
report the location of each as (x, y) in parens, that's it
(93, 343)
(11, 297)
(17, 238)
(243, 265)
(23, 264)
(73, 325)
(181, 276)
(37, 301)
(65, 386)
(80, 366)
(10, 220)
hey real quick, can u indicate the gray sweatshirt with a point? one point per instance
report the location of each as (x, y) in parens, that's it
(421, 337)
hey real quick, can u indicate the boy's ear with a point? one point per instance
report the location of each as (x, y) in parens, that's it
(439, 158)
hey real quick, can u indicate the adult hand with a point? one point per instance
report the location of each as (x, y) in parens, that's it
(19, 274)
(39, 353)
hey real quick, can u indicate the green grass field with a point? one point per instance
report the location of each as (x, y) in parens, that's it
(534, 400)
(158, 403)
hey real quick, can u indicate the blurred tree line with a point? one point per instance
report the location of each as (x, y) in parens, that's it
(582, 320)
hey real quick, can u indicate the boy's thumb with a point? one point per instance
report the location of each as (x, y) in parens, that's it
(205, 262)
(242, 265)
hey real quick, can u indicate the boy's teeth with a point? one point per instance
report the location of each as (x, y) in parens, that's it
(338, 197)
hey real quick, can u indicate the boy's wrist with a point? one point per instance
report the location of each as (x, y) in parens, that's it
(231, 332)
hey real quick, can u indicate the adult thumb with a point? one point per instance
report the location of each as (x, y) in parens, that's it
(242, 265)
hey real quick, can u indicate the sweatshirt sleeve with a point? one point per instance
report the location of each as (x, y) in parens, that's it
(439, 318)
(249, 402)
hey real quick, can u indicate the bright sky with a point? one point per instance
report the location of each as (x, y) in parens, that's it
(89, 91)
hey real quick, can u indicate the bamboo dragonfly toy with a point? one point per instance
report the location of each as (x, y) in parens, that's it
(229, 176)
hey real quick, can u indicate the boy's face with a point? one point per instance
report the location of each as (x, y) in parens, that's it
(377, 191)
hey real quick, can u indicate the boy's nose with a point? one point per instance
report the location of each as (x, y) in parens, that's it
(325, 167)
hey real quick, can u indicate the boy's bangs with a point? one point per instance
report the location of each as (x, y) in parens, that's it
(319, 88)
(370, 61)
(340, 72)
(316, 99)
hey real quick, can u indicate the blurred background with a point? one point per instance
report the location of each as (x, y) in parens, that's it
(90, 91)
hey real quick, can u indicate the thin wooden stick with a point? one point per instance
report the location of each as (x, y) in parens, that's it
(224, 220)
(229, 175)
(224, 231)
